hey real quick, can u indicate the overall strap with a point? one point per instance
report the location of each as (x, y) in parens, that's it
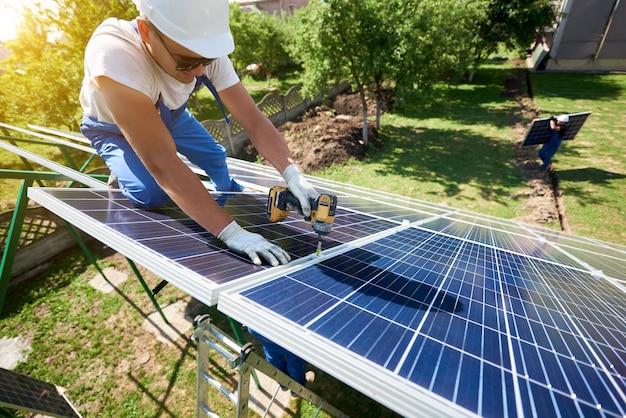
(203, 79)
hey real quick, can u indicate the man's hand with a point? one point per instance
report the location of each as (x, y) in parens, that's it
(300, 188)
(253, 245)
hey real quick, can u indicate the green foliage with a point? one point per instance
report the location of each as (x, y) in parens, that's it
(431, 40)
(375, 45)
(259, 38)
(398, 44)
(512, 23)
(41, 79)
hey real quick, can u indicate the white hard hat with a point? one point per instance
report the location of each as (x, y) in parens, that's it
(563, 118)
(200, 26)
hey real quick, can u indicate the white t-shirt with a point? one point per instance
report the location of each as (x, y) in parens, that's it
(116, 51)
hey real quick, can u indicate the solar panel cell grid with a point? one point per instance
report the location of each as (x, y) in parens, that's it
(438, 311)
(18, 391)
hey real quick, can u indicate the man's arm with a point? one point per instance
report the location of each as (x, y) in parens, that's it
(262, 132)
(143, 128)
(268, 142)
(553, 125)
(141, 124)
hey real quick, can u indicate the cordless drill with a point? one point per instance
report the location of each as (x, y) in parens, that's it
(323, 208)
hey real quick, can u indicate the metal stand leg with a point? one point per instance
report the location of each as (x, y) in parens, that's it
(243, 357)
(13, 239)
(133, 266)
(147, 289)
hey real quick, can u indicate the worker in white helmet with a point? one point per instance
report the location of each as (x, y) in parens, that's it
(558, 127)
(138, 78)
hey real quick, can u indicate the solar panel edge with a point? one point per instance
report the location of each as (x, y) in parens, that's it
(253, 167)
(394, 392)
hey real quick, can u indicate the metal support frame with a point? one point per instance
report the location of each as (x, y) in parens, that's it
(17, 221)
(71, 173)
(247, 361)
(13, 238)
(151, 293)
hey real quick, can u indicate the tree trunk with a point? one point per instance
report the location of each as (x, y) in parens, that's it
(364, 107)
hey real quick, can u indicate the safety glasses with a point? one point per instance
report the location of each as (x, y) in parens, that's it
(186, 63)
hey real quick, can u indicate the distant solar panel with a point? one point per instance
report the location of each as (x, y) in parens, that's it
(18, 391)
(427, 309)
(539, 131)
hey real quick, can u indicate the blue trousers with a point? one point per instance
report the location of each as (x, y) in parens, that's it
(135, 181)
(549, 149)
(282, 359)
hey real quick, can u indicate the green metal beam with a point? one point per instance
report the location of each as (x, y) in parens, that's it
(43, 175)
(13, 239)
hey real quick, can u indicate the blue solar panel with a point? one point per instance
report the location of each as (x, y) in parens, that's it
(173, 246)
(539, 131)
(495, 332)
(427, 309)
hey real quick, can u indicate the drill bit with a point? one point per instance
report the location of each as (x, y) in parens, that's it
(319, 246)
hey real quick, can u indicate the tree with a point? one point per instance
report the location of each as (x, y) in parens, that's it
(41, 80)
(332, 42)
(512, 23)
(259, 38)
(431, 40)
(379, 45)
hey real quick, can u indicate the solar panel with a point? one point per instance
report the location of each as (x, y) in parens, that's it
(427, 309)
(539, 131)
(18, 391)
(173, 246)
(429, 324)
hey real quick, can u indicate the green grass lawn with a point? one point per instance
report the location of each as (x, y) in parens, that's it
(455, 150)
(592, 167)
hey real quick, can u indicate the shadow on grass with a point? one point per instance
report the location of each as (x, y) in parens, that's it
(450, 158)
(589, 176)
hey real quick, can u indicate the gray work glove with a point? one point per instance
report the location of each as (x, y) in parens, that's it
(252, 245)
(300, 188)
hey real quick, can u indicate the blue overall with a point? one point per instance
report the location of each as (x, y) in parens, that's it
(282, 359)
(551, 147)
(191, 139)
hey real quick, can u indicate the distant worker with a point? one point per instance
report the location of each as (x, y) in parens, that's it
(138, 78)
(558, 126)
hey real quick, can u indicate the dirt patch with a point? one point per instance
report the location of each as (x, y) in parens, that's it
(328, 134)
(544, 202)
